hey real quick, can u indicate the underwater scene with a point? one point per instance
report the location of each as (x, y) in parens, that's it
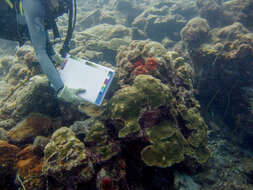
(177, 115)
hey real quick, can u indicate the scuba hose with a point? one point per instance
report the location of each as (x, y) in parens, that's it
(71, 25)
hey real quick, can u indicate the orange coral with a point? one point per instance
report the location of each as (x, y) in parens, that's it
(138, 62)
(151, 64)
(147, 67)
(140, 70)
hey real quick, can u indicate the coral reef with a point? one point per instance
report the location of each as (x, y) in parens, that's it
(222, 13)
(226, 63)
(150, 132)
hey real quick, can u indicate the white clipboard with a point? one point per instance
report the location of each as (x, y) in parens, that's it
(94, 78)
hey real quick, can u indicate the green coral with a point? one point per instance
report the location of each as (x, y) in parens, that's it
(165, 153)
(103, 148)
(127, 103)
(195, 122)
(169, 145)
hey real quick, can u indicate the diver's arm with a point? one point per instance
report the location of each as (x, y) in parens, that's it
(34, 15)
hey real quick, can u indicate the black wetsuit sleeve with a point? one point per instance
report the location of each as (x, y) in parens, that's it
(34, 14)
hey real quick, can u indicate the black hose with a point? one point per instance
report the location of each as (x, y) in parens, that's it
(71, 25)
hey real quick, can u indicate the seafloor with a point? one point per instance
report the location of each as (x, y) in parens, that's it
(178, 116)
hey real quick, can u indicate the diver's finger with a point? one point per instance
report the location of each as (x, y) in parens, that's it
(79, 90)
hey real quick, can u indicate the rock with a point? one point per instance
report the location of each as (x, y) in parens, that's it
(107, 32)
(100, 142)
(8, 158)
(81, 128)
(211, 10)
(187, 9)
(32, 126)
(39, 145)
(238, 11)
(17, 72)
(159, 23)
(102, 42)
(107, 18)
(185, 182)
(195, 32)
(228, 50)
(123, 5)
(5, 64)
(90, 20)
(4, 89)
(29, 169)
(66, 158)
(34, 95)
(3, 134)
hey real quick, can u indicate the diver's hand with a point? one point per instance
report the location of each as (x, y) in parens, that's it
(70, 94)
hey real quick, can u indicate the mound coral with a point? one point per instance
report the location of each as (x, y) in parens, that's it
(147, 111)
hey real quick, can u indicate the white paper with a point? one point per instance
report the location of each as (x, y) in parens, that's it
(89, 76)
